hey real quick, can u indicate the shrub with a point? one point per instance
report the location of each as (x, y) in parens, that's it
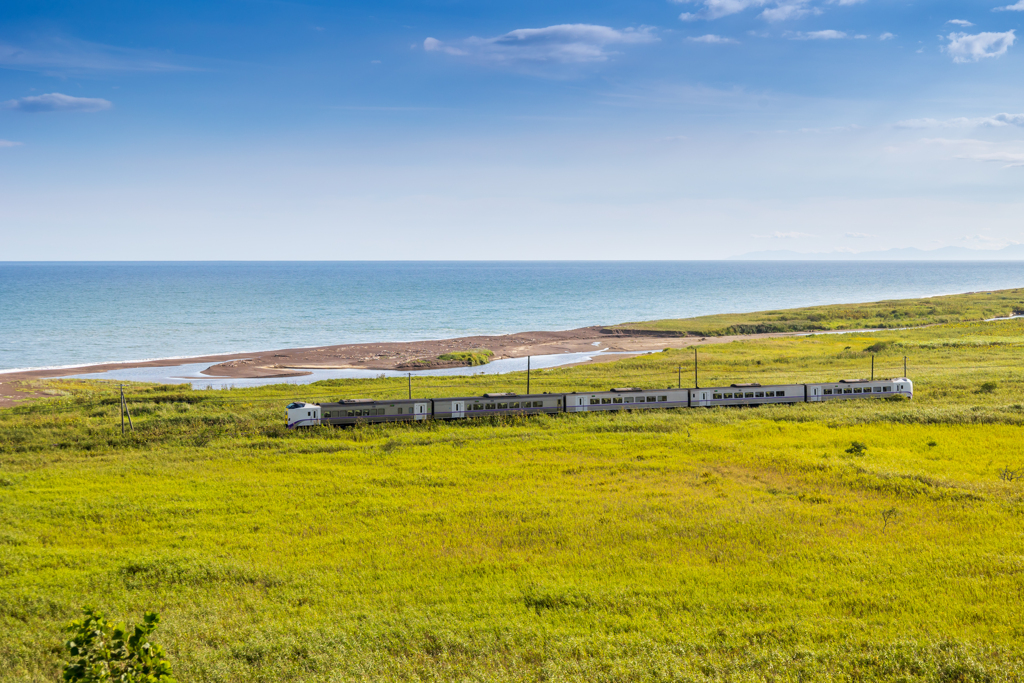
(878, 347)
(103, 651)
(857, 448)
(988, 387)
(471, 357)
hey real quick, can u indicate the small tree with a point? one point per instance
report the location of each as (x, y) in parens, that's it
(103, 651)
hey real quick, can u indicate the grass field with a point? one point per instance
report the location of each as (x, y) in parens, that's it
(896, 313)
(702, 545)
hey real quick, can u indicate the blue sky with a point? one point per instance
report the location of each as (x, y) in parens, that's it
(481, 130)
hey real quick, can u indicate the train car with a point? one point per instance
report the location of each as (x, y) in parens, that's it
(752, 394)
(496, 404)
(351, 411)
(846, 389)
(626, 398)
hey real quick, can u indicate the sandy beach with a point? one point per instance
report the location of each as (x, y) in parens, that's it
(418, 355)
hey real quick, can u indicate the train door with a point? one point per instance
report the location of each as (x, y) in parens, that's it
(420, 411)
(578, 403)
(458, 408)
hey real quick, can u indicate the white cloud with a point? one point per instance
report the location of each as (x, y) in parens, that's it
(887, 36)
(996, 121)
(564, 43)
(1016, 7)
(713, 39)
(964, 47)
(776, 10)
(57, 102)
(1008, 159)
(827, 34)
(65, 55)
(960, 22)
(9, 143)
(858, 235)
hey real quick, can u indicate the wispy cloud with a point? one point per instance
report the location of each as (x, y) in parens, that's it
(960, 22)
(713, 39)
(76, 56)
(1016, 7)
(887, 36)
(9, 143)
(965, 47)
(1008, 159)
(792, 235)
(996, 121)
(564, 44)
(827, 34)
(57, 102)
(774, 10)
(858, 235)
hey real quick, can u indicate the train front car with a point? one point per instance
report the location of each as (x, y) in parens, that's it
(846, 389)
(301, 414)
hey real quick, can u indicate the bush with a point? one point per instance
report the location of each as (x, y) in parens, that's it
(102, 651)
(988, 388)
(857, 448)
(471, 357)
(878, 347)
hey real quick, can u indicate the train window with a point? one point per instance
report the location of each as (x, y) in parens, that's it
(856, 390)
(663, 398)
(538, 404)
(780, 393)
(878, 389)
(749, 394)
(558, 402)
(327, 414)
(617, 399)
(478, 406)
(886, 388)
(651, 399)
(628, 399)
(513, 405)
(827, 391)
(595, 401)
(488, 406)
(399, 411)
(847, 391)
(503, 406)
(606, 400)
(769, 393)
(716, 396)
(728, 395)
(758, 394)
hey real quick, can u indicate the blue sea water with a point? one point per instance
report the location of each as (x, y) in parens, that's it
(64, 314)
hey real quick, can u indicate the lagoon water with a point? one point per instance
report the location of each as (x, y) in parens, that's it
(64, 314)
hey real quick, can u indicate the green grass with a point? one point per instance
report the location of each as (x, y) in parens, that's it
(897, 313)
(470, 357)
(703, 545)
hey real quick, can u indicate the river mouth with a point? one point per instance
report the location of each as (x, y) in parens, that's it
(191, 372)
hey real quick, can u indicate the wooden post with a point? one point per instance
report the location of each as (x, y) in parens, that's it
(122, 410)
(527, 375)
(127, 412)
(410, 386)
(679, 376)
(872, 367)
(904, 366)
(696, 384)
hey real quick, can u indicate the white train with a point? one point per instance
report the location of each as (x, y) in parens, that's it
(351, 411)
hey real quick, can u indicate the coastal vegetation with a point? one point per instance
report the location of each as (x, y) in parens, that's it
(470, 357)
(857, 541)
(896, 313)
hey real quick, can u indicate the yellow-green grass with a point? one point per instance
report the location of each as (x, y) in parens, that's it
(722, 544)
(470, 357)
(896, 313)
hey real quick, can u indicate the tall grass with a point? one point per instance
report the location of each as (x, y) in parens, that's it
(705, 545)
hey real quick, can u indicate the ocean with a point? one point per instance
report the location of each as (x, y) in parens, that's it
(68, 314)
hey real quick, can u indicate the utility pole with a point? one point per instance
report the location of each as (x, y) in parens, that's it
(872, 367)
(904, 366)
(696, 384)
(122, 410)
(410, 386)
(528, 375)
(679, 373)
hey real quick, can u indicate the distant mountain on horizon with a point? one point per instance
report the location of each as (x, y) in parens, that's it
(1010, 253)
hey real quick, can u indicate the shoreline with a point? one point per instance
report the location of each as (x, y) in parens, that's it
(410, 356)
